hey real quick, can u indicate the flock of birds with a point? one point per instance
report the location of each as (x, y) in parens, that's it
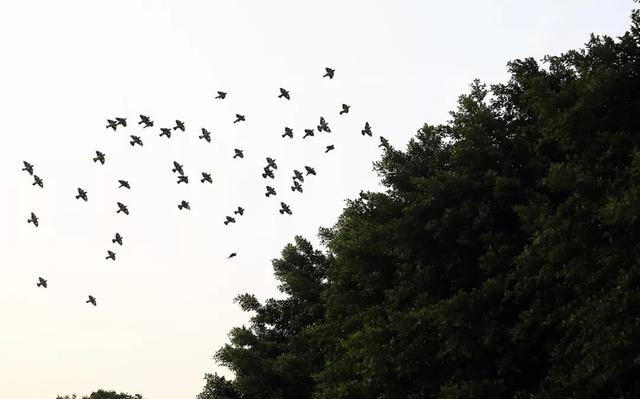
(268, 170)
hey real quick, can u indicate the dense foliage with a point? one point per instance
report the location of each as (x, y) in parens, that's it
(502, 261)
(102, 394)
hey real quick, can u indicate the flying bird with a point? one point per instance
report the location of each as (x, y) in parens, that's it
(100, 157)
(146, 121)
(205, 135)
(184, 205)
(229, 220)
(135, 140)
(345, 109)
(323, 126)
(232, 255)
(298, 175)
(125, 184)
(111, 255)
(183, 179)
(383, 142)
(310, 170)
(239, 153)
(221, 95)
(91, 300)
(270, 191)
(268, 173)
(42, 282)
(165, 132)
(284, 208)
(330, 148)
(117, 239)
(112, 124)
(121, 121)
(37, 181)
(367, 129)
(239, 118)
(329, 73)
(307, 132)
(284, 93)
(271, 163)
(177, 168)
(179, 125)
(34, 219)
(28, 167)
(288, 132)
(240, 211)
(296, 186)
(82, 194)
(122, 208)
(206, 177)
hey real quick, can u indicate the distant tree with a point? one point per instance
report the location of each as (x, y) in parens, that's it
(503, 261)
(101, 394)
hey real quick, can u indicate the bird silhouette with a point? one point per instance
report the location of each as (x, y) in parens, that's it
(111, 255)
(165, 132)
(288, 132)
(91, 300)
(239, 211)
(221, 95)
(179, 125)
(284, 208)
(28, 167)
(298, 175)
(307, 132)
(117, 239)
(329, 148)
(33, 219)
(268, 173)
(239, 118)
(366, 130)
(270, 191)
(177, 168)
(37, 181)
(122, 121)
(206, 177)
(112, 124)
(183, 179)
(310, 170)
(296, 186)
(232, 255)
(146, 121)
(271, 163)
(122, 208)
(329, 73)
(135, 140)
(383, 142)
(345, 109)
(42, 282)
(184, 205)
(229, 220)
(323, 126)
(205, 135)
(125, 184)
(100, 157)
(239, 153)
(82, 194)
(284, 93)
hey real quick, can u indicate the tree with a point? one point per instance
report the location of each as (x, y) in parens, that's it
(102, 394)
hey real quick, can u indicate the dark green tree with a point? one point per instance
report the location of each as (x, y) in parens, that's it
(102, 394)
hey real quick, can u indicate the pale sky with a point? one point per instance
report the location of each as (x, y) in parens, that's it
(165, 305)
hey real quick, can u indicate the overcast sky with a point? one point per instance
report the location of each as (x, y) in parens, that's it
(166, 304)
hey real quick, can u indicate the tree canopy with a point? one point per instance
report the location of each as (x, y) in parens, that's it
(502, 261)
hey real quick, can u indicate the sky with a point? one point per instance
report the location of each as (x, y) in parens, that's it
(166, 304)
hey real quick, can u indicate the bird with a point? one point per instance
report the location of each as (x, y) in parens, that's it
(117, 239)
(229, 220)
(288, 132)
(112, 124)
(146, 121)
(179, 125)
(383, 142)
(111, 255)
(268, 173)
(232, 255)
(122, 208)
(184, 205)
(345, 109)
(82, 194)
(125, 184)
(239, 153)
(221, 95)
(329, 148)
(323, 126)
(37, 181)
(28, 167)
(367, 129)
(206, 177)
(329, 73)
(270, 191)
(91, 300)
(239, 118)
(307, 132)
(100, 157)
(298, 175)
(272, 163)
(33, 219)
(183, 179)
(121, 121)
(284, 208)
(239, 211)
(205, 135)
(177, 168)
(310, 170)
(135, 140)
(42, 282)
(165, 132)
(284, 93)
(296, 186)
